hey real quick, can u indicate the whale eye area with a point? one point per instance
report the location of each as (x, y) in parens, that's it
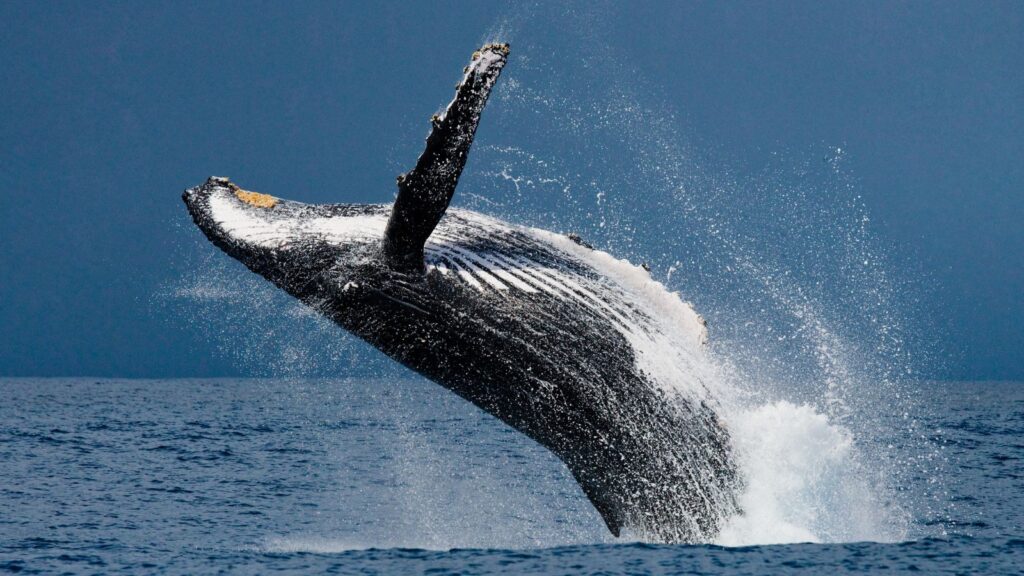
(256, 199)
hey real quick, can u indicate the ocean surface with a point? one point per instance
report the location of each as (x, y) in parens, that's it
(364, 476)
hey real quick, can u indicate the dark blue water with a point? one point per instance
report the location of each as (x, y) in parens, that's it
(376, 476)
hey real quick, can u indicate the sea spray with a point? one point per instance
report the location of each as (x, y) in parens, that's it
(261, 329)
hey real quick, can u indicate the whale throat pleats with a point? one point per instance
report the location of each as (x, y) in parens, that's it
(425, 191)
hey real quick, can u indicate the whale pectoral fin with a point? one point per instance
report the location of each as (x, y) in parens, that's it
(425, 191)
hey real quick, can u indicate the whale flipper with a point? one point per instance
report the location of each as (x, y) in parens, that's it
(425, 191)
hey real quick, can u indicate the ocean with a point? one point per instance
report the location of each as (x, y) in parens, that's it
(382, 476)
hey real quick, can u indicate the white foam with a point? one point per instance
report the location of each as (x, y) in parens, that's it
(320, 545)
(802, 481)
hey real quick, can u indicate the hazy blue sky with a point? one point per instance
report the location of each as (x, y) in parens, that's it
(109, 110)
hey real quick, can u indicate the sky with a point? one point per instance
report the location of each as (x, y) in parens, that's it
(109, 110)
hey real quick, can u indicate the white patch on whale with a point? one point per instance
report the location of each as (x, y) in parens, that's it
(240, 223)
(345, 229)
(249, 225)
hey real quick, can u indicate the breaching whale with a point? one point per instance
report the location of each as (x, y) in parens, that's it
(583, 353)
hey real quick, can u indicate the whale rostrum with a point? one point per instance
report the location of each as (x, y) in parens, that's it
(580, 351)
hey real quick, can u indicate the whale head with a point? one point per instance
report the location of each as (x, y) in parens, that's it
(296, 246)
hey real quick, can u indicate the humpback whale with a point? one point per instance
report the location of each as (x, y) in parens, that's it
(582, 352)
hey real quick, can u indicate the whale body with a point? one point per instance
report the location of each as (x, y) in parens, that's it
(582, 352)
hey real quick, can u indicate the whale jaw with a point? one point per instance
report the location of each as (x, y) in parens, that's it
(301, 248)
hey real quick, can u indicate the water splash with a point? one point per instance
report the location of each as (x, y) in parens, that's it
(806, 317)
(261, 329)
(804, 481)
